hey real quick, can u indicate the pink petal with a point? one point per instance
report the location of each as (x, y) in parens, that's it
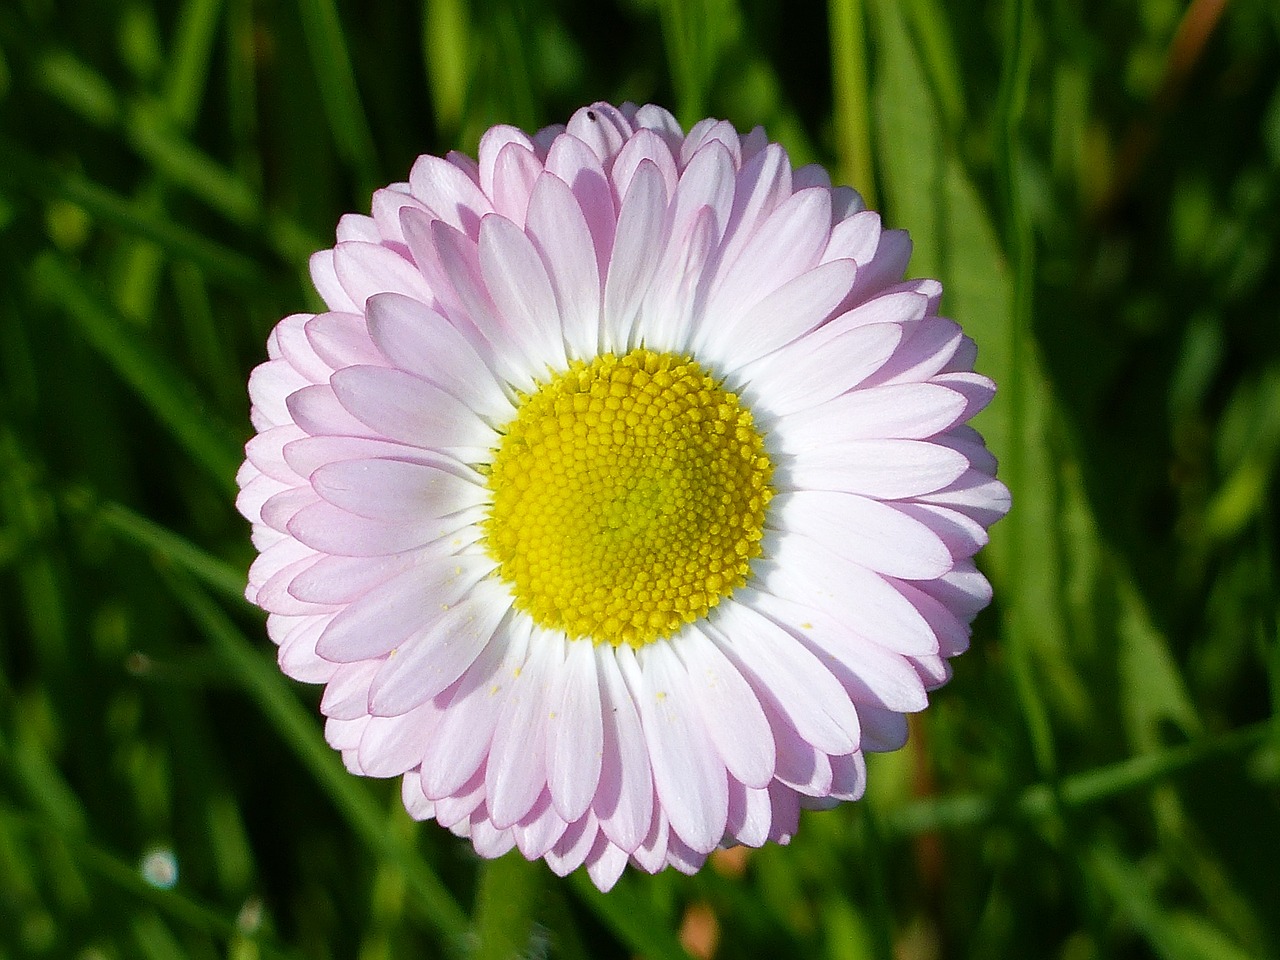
(327, 284)
(624, 800)
(750, 815)
(465, 734)
(909, 411)
(803, 571)
(574, 162)
(601, 127)
(605, 863)
(539, 830)
(367, 268)
(440, 651)
(389, 614)
(340, 340)
(874, 534)
(400, 406)
(520, 290)
(787, 676)
(317, 411)
(730, 709)
(687, 772)
(347, 694)
(869, 672)
(885, 469)
(645, 145)
(575, 735)
(392, 745)
(517, 771)
(819, 367)
(397, 490)
(449, 193)
(786, 245)
(340, 580)
(516, 172)
(785, 314)
(559, 231)
(635, 256)
(418, 340)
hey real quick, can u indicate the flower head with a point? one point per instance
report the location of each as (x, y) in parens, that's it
(624, 497)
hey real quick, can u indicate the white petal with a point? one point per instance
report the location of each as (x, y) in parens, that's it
(389, 614)
(885, 469)
(559, 231)
(873, 607)
(688, 774)
(517, 771)
(465, 733)
(575, 736)
(438, 653)
(730, 709)
(635, 256)
(876, 535)
(784, 673)
(910, 411)
(624, 802)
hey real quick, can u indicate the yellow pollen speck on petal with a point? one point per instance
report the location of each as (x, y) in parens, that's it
(628, 498)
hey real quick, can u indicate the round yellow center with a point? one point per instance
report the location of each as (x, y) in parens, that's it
(629, 496)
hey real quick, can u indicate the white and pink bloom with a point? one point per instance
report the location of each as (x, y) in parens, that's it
(624, 497)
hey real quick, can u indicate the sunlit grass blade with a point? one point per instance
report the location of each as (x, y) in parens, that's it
(264, 684)
(909, 146)
(850, 79)
(695, 33)
(148, 374)
(447, 55)
(196, 33)
(929, 23)
(506, 905)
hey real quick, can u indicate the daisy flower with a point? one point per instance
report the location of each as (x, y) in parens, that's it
(623, 498)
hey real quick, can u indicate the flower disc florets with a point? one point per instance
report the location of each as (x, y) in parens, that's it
(623, 498)
(628, 498)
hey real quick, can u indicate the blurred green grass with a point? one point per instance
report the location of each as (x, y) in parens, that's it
(1098, 185)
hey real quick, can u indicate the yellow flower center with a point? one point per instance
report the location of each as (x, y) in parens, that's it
(629, 496)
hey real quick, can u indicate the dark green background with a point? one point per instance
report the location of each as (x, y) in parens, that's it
(1098, 185)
